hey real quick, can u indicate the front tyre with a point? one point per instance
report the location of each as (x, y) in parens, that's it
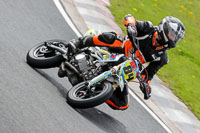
(41, 56)
(79, 96)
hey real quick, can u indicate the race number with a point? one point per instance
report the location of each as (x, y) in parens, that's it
(129, 73)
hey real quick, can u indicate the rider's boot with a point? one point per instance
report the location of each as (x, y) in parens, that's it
(62, 70)
(74, 45)
(146, 87)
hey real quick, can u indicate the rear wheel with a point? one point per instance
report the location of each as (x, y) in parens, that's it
(80, 97)
(41, 56)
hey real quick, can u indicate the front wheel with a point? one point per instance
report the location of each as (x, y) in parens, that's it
(80, 97)
(40, 56)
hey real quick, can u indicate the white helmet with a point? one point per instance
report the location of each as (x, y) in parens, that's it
(171, 30)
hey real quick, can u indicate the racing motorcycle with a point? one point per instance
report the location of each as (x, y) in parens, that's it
(94, 72)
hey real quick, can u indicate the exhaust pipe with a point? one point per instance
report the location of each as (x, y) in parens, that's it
(68, 65)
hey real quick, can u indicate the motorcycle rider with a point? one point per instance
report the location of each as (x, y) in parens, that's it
(153, 43)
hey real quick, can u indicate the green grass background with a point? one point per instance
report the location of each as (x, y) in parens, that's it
(182, 74)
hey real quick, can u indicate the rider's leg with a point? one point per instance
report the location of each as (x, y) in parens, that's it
(107, 39)
(154, 66)
(151, 70)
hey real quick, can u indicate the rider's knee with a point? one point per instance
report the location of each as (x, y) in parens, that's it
(164, 61)
(107, 37)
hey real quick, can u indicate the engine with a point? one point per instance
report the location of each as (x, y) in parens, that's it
(85, 65)
(81, 62)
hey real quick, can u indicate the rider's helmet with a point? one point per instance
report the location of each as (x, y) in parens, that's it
(170, 30)
(92, 32)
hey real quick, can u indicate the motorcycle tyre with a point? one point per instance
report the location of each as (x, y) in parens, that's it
(44, 62)
(91, 102)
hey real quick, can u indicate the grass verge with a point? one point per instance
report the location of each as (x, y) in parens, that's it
(182, 74)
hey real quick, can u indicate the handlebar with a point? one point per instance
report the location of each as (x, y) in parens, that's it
(62, 51)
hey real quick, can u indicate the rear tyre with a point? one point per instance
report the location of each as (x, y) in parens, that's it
(41, 56)
(79, 97)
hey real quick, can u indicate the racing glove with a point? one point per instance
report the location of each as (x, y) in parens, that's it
(130, 24)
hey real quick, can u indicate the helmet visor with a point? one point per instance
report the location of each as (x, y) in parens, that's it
(175, 32)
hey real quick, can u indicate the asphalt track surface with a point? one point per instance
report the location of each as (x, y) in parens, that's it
(34, 100)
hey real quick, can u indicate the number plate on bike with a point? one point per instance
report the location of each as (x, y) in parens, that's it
(128, 71)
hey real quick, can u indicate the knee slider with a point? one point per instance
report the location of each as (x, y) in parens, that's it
(165, 61)
(107, 37)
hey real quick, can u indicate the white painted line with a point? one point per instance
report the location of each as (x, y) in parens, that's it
(66, 17)
(150, 112)
(62, 11)
(107, 2)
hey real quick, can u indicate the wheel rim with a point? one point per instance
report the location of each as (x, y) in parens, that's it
(43, 51)
(84, 93)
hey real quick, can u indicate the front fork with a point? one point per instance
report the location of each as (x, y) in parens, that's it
(99, 78)
(105, 76)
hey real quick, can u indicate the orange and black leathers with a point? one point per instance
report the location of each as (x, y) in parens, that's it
(106, 39)
(157, 56)
(114, 42)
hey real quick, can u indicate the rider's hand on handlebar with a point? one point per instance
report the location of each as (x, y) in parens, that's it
(131, 30)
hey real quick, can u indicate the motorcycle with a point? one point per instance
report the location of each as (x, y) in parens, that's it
(94, 73)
